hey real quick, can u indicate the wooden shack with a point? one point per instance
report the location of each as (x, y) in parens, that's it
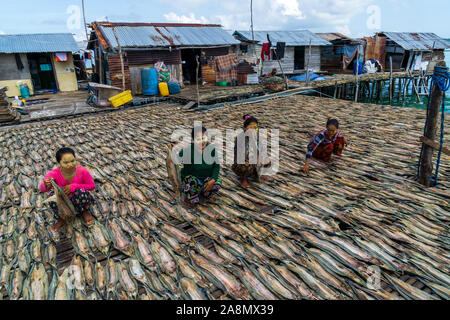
(143, 44)
(409, 51)
(340, 57)
(297, 51)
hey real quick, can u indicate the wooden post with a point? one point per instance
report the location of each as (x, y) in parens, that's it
(282, 71)
(426, 165)
(405, 88)
(425, 84)
(372, 90)
(309, 60)
(419, 82)
(390, 80)
(379, 90)
(335, 90)
(100, 64)
(399, 91)
(121, 58)
(415, 87)
(357, 74)
(84, 19)
(251, 19)
(196, 81)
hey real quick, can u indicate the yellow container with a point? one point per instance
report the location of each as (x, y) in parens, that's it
(121, 99)
(163, 89)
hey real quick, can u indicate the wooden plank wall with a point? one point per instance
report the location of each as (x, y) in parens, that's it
(331, 58)
(288, 61)
(209, 74)
(136, 80)
(314, 64)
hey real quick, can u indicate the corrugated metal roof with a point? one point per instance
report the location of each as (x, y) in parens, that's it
(331, 36)
(35, 43)
(417, 41)
(145, 36)
(292, 38)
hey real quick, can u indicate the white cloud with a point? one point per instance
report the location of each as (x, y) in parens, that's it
(345, 30)
(2, 32)
(290, 8)
(315, 15)
(173, 17)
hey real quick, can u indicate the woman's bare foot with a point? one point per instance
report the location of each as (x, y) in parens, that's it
(88, 218)
(58, 225)
(244, 183)
(265, 178)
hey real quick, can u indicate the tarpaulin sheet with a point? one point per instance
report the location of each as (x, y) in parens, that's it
(349, 55)
(312, 77)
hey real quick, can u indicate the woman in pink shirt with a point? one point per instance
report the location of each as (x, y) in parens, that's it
(76, 182)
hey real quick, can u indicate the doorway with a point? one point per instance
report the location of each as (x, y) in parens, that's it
(299, 58)
(42, 72)
(189, 63)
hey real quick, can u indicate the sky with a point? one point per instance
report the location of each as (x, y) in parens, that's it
(356, 18)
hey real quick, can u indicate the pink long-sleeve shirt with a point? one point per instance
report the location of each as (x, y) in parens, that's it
(82, 180)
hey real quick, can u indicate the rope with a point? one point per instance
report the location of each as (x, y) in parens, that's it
(441, 77)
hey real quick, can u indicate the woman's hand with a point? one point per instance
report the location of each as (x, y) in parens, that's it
(48, 184)
(345, 142)
(210, 185)
(67, 189)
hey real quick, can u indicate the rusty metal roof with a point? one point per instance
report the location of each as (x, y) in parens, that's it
(38, 43)
(291, 38)
(152, 35)
(331, 36)
(417, 41)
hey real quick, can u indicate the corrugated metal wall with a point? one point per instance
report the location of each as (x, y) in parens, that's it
(115, 72)
(376, 49)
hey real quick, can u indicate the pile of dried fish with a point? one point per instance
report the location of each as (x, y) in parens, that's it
(322, 236)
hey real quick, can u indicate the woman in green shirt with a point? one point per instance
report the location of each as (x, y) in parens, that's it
(201, 178)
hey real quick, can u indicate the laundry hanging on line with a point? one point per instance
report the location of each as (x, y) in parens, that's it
(61, 57)
(265, 51)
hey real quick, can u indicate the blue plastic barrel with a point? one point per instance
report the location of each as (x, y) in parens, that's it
(174, 88)
(149, 82)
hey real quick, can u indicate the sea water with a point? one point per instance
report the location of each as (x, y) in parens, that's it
(411, 100)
